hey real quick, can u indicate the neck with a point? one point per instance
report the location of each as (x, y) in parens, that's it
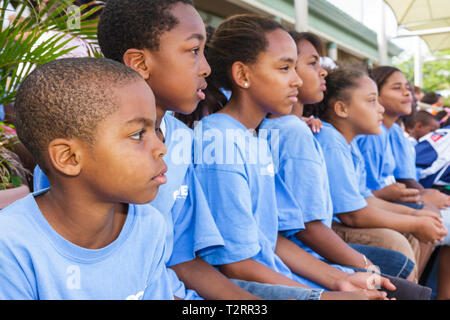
(245, 111)
(297, 109)
(389, 120)
(347, 132)
(80, 218)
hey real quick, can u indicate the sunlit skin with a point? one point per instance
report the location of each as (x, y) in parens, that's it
(275, 69)
(176, 72)
(363, 104)
(312, 74)
(101, 183)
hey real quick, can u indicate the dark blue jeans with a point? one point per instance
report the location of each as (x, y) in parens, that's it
(390, 262)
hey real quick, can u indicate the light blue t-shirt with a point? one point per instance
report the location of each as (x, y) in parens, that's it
(344, 173)
(404, 154)
(300, 171)
(300, 168)
(38, 263)
(181, 201)
(236, 172)
(378, 159)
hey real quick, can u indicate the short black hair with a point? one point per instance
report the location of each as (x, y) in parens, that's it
(421, 116)
(430, 97)
(138, 24)
(67, 98)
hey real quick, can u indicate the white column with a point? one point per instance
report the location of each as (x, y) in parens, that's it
(301, 15)
(332, 50)
(382, 38)
(418, 64)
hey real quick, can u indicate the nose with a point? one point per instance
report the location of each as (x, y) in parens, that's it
(159, 150)
(205, 68)
(380, 107)
(323, 73)
(297, 81)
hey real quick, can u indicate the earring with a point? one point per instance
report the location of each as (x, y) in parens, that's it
(246, 84)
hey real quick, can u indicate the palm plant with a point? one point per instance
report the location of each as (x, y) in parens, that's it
(40, 31)
(21, 45)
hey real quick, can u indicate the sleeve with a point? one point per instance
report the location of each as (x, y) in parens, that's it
(372, 162)
(405, 157)
(194, 226)
(228, 196)
(305, 179)
(14, 284)
(344, 188)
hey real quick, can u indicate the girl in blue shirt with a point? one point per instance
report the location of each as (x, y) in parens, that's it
(390, 160)
(255, 58)
(351, 108)
(302, 170)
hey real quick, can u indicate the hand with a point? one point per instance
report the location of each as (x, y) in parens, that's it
(435, 197)
(365, 283)
(398, 192)
(429, 213)
(314, 124)
(429, 229)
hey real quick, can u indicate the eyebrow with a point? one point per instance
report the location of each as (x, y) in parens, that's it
(145, 121)
(196, 36)
(286, 59)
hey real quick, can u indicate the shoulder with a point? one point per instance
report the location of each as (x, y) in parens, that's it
(330, 138)
(16, 224)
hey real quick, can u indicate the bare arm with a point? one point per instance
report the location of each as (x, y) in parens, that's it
(209, 283)
(318, 271)
(424, 228)
(251, 270)
(329, 245)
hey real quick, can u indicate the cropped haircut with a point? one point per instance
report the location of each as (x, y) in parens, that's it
(67, 98)
(138, 24)
(340, 83)
(239, 38)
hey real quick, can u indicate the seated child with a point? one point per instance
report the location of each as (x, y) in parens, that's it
(89, 123)
(255, 59)
(420, 125)
(349, 109)
(302, 169)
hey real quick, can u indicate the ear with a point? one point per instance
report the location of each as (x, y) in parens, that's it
(65, 156)
(139, 61)
(241, 74)
(341, 109)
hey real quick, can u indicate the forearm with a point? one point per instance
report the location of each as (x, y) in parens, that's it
(251, 270)
(374, 217)
(329, 245)
(389, 206)
(209, 283)
(305, 265)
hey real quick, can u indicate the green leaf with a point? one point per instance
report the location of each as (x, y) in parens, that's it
(16, 181)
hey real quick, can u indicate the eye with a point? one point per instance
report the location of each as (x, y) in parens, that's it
(138, 135)
(285, 68)
(196, 50)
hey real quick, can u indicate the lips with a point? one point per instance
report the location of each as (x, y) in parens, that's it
(161, 178)
(200, 94)
(293, 96)
(323, 86)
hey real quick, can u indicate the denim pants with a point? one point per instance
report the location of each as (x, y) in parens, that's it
(390, 262)
(278, 292)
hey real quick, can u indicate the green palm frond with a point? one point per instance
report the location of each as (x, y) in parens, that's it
(22, 43)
